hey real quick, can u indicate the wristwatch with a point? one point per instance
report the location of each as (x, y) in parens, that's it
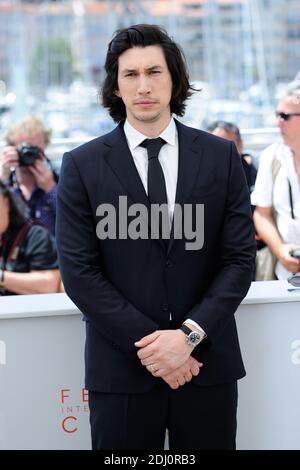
(193, 338)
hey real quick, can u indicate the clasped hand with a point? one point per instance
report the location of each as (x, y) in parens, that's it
(166, 354)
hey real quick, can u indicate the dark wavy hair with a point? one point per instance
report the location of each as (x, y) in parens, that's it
(18, 213)
(143, 35)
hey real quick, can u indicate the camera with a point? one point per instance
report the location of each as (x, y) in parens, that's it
(295, 253)
(28, 154)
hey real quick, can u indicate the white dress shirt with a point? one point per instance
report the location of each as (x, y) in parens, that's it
(168, 158)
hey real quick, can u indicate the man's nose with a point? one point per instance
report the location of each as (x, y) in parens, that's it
(143, 84)
(280, 122)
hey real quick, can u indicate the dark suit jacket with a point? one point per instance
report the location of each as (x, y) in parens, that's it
(127, 288)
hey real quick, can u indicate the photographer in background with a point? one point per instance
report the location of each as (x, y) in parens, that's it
(26, 168)
(28, 259)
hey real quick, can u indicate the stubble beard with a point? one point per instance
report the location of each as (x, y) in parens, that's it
(147, 117)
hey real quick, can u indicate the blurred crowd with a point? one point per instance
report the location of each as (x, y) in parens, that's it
(28, 188)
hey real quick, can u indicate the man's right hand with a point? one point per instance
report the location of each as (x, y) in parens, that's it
(9, 159)
(183, 374)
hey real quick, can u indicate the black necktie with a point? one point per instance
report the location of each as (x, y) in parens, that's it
(157, 192)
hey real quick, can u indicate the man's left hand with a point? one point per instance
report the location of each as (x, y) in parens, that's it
(43, 175)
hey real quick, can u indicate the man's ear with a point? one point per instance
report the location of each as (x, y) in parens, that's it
(117, 93)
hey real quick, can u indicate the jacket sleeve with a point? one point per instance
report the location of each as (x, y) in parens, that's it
(238, 251)
(79, 256)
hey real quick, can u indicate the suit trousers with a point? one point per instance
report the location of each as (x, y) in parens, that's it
(196, 417)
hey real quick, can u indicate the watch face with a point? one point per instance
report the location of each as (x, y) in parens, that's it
(194, 338)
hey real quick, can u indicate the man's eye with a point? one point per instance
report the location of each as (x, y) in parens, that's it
(129, 74)
(155, 71)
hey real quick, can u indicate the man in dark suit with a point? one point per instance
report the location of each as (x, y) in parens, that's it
(161, 343)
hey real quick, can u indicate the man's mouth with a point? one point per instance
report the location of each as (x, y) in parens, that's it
(145, 103)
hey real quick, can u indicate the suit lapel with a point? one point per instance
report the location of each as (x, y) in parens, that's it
(190, 157)
(121, 162)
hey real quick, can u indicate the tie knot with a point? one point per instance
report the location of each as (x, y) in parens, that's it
(153, 146)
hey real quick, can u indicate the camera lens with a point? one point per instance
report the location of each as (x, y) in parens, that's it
(28, 154)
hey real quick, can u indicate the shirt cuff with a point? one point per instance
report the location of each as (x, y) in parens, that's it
(192, 322)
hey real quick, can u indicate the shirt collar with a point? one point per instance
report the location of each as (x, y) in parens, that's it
(135, 138)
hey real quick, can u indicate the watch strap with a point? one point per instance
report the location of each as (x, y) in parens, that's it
(186, 330)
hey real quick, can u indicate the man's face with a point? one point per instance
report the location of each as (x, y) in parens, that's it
(37, 139)
(145, 86)
(290, 129)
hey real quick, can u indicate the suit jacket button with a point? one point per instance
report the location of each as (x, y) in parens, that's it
(169, 263)
(165, 307)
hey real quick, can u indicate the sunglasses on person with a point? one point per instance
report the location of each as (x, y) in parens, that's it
(285, 116)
